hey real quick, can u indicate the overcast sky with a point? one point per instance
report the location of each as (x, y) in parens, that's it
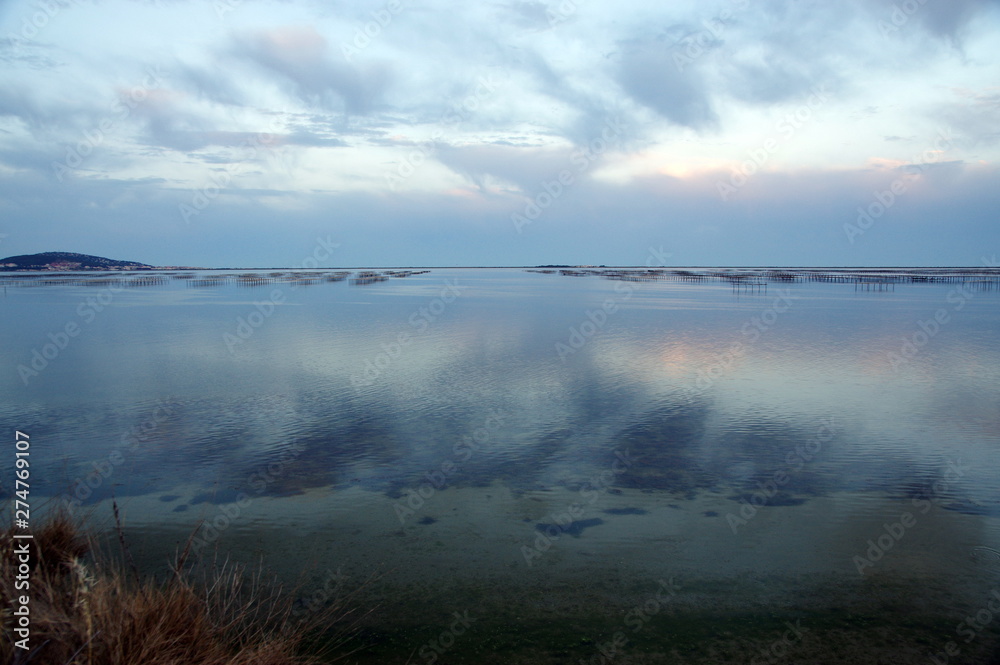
(737, 132)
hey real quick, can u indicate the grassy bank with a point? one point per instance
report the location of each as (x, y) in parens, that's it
(89, 607)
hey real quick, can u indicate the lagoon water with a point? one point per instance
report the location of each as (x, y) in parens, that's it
(806, 473)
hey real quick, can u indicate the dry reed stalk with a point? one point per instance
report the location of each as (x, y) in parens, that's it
(85, 610)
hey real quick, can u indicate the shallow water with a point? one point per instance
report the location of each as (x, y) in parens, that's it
(545, 452)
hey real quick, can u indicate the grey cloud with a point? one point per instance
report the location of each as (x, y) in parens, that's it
(524, 167)
(209, 84)
(299, 56)
(32, 54)
(769, 82)
(975, 119)
(527, 14)
(171, 127)
(944, 20)
(949, 19)
(778, 51)
(30, 157)
(763, 52)
(256, 143)
(591, 109)
(789, 220)
(18, 103)
(313, 140)
(651, 75)
(43, 115)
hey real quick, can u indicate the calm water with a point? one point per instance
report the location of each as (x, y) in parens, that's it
(561, 458)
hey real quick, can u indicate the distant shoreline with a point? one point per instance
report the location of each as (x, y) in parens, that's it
(524, 267)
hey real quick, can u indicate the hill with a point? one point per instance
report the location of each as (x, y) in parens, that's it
(67, 261)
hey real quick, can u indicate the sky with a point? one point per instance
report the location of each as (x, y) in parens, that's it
(251, 133)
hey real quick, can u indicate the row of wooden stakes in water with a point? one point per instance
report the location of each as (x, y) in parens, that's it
(103, 280)
(304, 278)
(201, 280)
(976, 278)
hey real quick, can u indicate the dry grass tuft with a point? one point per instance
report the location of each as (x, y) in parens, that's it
(85, 610)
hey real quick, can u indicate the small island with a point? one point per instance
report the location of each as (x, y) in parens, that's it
(67, 261)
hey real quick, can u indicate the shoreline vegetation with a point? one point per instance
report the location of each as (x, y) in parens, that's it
(90, 606)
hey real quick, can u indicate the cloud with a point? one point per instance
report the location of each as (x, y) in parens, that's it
(170, 123)
(216, 83)
(974, 116)
(769, 80)
(18, 51)
(589, 105)
(525, 168)
(651, 74)
(946, 21)
(299, 56)
(274, 74)
(778, 218)
(528, 14)
(44, 112)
